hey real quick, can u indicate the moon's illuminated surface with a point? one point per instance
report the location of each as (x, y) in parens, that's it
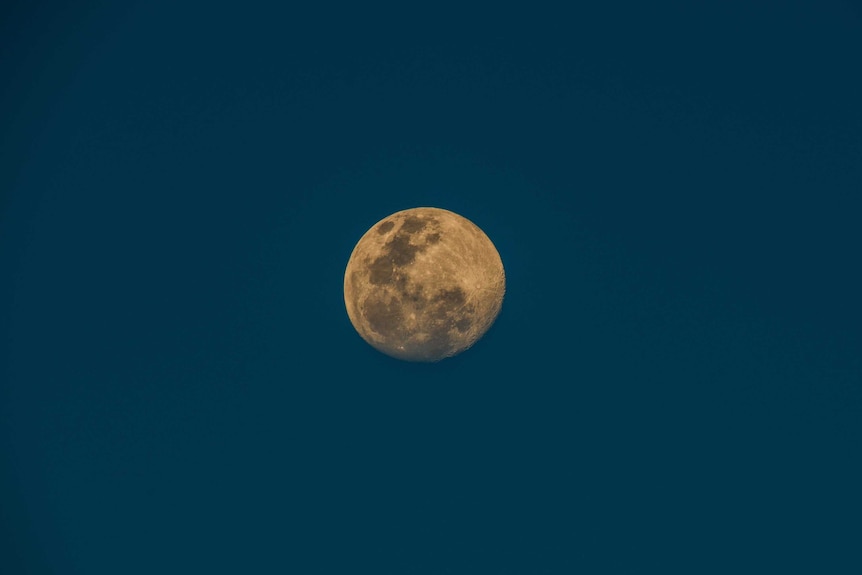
(423, 284)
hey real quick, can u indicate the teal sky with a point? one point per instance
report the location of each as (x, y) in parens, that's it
(674, 384)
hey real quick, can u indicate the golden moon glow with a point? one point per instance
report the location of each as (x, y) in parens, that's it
(423, 284)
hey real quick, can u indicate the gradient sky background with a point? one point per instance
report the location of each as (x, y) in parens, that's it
(674, 384)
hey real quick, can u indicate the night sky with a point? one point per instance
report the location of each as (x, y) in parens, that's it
(674, 384)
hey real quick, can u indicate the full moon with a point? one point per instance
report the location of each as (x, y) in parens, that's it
(423, 284)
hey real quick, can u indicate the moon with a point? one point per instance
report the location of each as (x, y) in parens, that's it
(423, 284)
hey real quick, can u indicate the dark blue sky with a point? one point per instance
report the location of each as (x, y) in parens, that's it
(674, 383)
